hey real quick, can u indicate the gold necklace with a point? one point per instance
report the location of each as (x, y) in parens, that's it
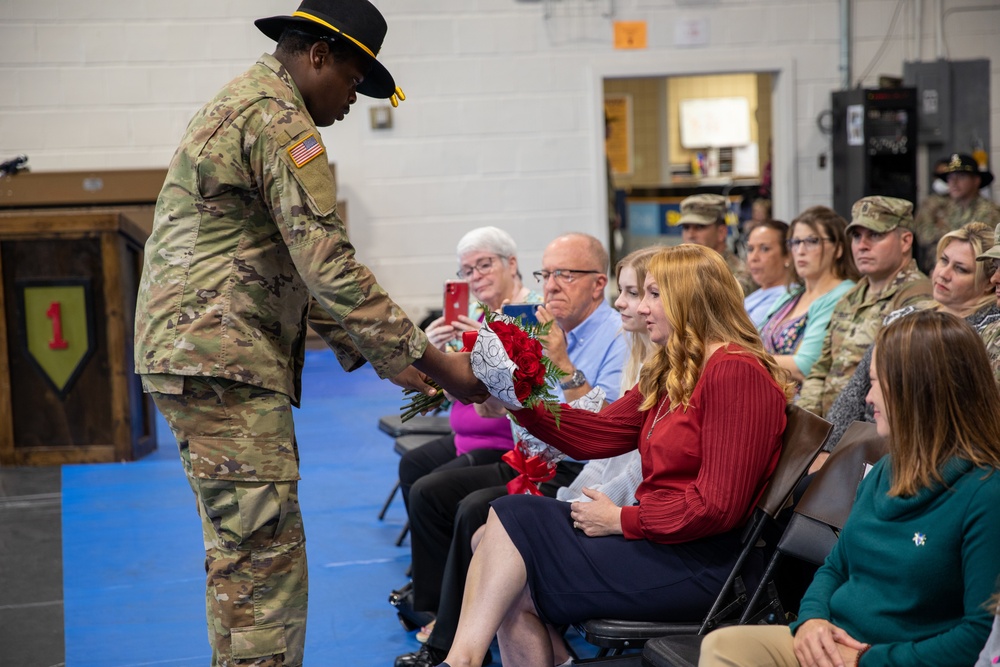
(657, 418)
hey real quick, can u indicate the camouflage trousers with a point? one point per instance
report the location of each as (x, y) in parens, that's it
(238, 448)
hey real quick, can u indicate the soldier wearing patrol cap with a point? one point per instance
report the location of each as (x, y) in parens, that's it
(703, 222)
(882, 246)
(990, 329)
(963, 205)
(245, 231)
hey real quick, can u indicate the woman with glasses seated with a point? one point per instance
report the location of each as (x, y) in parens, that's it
(794, 328)
(487, 259)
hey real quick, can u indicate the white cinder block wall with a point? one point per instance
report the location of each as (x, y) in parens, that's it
(502, 123)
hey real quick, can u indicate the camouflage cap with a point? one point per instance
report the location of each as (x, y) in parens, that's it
(703, 210)
(881, 214)
(994, 252)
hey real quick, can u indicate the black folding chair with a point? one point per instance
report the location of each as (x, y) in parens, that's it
(802, 440)
(811, 533)
(409, 435)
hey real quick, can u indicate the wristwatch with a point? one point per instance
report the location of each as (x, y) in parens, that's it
(577, 379)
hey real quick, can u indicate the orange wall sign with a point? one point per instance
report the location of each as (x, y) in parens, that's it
(630, 34)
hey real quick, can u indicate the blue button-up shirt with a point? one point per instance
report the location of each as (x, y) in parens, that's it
(597, 347)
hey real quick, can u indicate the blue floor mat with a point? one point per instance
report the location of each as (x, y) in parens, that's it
(133, 558)
(133, 572)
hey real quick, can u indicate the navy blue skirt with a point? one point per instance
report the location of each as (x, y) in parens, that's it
(573, 577)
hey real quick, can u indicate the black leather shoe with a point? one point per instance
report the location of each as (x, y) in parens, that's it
(425, 657)
(429, 656)
(402, 600)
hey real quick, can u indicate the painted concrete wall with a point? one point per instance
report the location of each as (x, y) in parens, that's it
(502, 123)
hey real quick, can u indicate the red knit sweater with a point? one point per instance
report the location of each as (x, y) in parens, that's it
(704, 468)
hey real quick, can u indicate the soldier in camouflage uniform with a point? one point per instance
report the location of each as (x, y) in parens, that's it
(246, 246)
(940, 215)
(882, 245)
(703, 222)
(990, 330)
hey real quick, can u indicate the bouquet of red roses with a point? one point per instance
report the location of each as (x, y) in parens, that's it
(507, 357)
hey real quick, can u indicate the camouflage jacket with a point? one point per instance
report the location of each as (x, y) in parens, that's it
(939, 215)
(245, 230)
(855, 320)
(739, 269)
(990, 331)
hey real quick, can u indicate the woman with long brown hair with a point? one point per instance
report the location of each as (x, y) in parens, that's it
(795, 326)
(707, 418)
(908, 580)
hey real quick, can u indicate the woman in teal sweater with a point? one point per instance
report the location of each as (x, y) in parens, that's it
(795, 326)
(918, 558)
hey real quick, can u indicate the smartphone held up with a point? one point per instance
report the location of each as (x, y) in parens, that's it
(456, 300)
(525, 312)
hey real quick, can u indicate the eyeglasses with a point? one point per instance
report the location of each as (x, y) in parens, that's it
(483, 266)
(563, 276)
(809, 243)
(991, 266)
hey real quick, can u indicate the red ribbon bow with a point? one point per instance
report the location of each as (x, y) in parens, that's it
(534, 471)
(469, 340)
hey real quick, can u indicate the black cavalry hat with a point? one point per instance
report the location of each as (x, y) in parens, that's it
(966, 163)
(357, 21)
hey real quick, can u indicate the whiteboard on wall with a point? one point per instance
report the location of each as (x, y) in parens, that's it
(715, 122)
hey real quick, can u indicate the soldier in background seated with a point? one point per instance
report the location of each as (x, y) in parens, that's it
(882, 245)
(703, 222)
(963, 204)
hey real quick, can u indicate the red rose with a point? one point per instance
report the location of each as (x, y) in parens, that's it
(522, 389)
(522, 343)
(528, 365)
(540, 374)
(505, 334)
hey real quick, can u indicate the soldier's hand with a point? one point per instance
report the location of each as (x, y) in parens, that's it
(411, 378)
(454, 373)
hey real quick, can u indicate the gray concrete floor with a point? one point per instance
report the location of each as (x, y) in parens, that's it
(31, 591)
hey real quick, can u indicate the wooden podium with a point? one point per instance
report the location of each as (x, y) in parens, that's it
(68, 393)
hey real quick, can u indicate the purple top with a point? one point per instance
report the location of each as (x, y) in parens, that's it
(475, 432)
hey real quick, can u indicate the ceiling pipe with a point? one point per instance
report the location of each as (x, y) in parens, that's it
(845, 44)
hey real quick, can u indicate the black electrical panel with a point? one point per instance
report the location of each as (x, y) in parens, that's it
(874, 145)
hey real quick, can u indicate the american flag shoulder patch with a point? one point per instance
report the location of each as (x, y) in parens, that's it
(304, 151)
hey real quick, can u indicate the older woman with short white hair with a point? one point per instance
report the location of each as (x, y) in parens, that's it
(487, 259)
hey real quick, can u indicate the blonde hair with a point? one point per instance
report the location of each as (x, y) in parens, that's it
(639, 344)
(940, 398)
(980, 238)
(703, 303)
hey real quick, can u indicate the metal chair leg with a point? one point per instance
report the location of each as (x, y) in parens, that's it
(402, 534)
(388, 501)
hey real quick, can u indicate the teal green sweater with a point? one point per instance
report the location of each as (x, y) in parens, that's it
(910, 575)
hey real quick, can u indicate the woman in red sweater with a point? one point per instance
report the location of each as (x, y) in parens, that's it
(707, 418)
